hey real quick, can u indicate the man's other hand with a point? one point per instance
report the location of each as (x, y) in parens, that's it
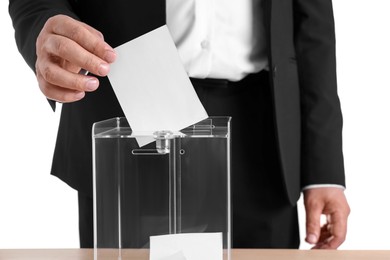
(332, 203)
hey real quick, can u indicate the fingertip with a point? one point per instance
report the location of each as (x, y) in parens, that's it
(103, 69)
(91, 84)
(311, 238)
(110, 56)
(79, 95)
(335, 242)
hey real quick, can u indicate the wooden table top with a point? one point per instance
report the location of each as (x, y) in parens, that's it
(237, 254)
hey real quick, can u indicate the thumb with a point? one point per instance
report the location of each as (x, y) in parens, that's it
(313, 223)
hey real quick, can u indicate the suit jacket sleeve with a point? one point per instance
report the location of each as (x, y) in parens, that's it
(28, 18)
(314, 36)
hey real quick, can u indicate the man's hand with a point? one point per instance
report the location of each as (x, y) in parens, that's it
(332, 203)
(64, 47)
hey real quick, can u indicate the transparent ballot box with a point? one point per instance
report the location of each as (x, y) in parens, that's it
(177, 183)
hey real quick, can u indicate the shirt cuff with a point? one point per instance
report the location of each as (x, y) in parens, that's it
(314, 186)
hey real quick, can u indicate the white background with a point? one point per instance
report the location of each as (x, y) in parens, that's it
(39, 211)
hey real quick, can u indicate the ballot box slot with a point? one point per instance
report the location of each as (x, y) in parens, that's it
(146, 152)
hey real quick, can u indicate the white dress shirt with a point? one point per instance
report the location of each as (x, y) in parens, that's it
(218, 38)
(222, 39)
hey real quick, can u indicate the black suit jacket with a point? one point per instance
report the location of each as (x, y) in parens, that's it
(301, 40)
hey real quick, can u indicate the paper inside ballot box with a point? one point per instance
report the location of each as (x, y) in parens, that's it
(188, 246)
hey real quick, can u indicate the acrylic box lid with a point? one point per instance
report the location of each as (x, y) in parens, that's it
(119, 128)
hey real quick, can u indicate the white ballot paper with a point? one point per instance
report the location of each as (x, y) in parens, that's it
(152, 85)
(186, 246)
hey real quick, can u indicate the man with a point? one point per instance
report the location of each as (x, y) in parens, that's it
(269, 64)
